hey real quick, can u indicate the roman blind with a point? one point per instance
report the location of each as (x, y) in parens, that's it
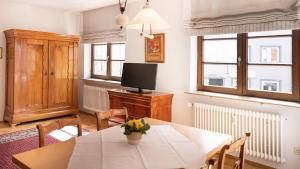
(203, 17)
(100, 26)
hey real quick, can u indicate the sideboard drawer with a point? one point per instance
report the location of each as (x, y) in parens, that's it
(142, 105)
(137, 111)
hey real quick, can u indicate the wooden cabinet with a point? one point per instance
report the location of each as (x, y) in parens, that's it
(41, 75)
(153, 105)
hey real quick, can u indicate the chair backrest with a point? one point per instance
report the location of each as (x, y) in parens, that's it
(43, 130)
(103, 117)
(238, 145)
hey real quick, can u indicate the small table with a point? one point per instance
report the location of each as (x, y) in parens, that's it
(58, 155)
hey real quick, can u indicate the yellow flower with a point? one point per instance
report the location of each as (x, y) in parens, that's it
(138, 123)
(130, 123)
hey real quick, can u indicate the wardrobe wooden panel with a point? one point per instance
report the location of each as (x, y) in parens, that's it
(31, 62)
(61, 73)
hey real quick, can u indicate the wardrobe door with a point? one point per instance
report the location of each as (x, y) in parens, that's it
(31, 75)
(61, 58)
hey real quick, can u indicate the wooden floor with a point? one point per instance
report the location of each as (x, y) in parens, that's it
(89, 123)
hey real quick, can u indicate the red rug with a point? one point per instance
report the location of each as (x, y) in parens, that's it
(18, 142)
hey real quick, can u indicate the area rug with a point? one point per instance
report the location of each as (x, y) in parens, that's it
(18, 142)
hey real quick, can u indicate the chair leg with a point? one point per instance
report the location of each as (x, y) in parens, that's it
(79, 128)
(41, 136)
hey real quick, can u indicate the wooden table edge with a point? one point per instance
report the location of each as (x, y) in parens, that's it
(19, 163)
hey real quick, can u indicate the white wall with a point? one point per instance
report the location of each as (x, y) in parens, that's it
(174, 76)
(34, 18)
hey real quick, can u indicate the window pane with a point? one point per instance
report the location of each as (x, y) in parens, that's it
(100, 52)
(222, 75)
(118, 51)
(270, 78)
(277, 50)
(117, 68)
(222, 51)
(220, 36)
(100, 68)
(270, 33)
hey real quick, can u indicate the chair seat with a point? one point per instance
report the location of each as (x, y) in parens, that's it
(110, 118)
(116, 119)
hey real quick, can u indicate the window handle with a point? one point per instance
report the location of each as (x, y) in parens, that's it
(239, 61)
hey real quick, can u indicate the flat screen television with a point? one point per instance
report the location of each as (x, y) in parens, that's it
(139, 75)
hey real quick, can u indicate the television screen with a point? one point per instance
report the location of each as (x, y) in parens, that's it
(139, 75)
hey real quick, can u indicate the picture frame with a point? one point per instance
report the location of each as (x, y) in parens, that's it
(155, 49)
(1, 52)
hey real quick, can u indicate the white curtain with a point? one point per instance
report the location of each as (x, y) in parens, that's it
(204, 17)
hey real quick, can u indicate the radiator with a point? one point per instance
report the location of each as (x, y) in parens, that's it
(266, 140)
(95, 99)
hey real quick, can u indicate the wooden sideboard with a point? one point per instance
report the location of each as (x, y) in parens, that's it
(153, 105)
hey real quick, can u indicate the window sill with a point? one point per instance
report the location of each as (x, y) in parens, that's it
(100, 82)
(245, 98)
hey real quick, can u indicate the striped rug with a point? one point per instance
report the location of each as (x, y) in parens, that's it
(18, 142)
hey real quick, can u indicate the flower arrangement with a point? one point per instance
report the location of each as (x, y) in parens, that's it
(135, 126)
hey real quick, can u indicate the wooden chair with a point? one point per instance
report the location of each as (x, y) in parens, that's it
(236, 145)
(57, 125)
(103, 118)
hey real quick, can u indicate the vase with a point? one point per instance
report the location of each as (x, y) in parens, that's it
(134, 138)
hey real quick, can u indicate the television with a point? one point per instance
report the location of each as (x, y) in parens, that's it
(140, 76)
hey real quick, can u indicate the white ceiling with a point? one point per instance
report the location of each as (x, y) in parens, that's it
(70, 5)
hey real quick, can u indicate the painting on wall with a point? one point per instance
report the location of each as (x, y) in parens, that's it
(155, 49)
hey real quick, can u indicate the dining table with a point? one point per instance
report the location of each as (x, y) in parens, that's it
(58, 156)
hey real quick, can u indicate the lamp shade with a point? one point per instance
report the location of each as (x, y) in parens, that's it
(147, 16)
(122, 20)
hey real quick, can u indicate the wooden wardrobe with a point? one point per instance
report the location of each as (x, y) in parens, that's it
(41, 77)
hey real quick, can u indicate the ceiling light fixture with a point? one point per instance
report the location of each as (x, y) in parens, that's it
(122, 19)
(147, 20)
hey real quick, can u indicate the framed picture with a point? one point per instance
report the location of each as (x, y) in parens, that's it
(1, 52)
(155, 49)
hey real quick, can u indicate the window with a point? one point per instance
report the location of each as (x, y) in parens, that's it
(108, 60)
(219, 62)
(270, 54)
(216, 81)
(260, 64)
(267, 63)
(270, 85)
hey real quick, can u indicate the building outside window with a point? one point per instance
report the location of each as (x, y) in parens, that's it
(216, 81)
(270, 85)
(270, 54)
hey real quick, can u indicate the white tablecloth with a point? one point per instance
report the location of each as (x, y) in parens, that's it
(162, 148)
